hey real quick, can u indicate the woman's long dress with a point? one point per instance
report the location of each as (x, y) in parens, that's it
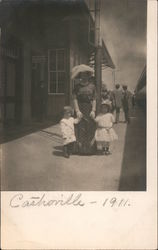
(85, 130)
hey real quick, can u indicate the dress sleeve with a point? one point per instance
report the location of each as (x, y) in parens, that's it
(63, 129)
(74, 97)
(112, 118)
(96, 119)
(93, 98)
(75, 92)
(94, 93)
(76, 121)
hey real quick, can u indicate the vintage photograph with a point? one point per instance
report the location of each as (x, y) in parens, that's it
(73, 95)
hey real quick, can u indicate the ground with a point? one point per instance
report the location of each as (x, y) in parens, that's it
(32, 160)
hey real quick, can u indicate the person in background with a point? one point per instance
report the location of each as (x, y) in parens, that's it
(126, 98)
(68, 131)
(105, 133)
(106, 96)
(133, 99)
(117, 96)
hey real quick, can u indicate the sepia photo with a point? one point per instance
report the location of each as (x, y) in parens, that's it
(78, 137)
(73, 95)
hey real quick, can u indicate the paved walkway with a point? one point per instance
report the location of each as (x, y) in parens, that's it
(35, 162)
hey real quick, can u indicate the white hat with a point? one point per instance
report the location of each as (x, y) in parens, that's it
(108, 102)
(81, 68)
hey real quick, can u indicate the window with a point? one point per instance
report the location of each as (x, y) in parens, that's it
(56, 71)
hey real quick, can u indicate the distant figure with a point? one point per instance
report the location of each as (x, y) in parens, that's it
(125, 102)
(117, 95)
(133, 99)
(106, 96)
(68, 131)
(105, 133)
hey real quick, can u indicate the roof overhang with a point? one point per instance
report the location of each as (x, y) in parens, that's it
(106, 58)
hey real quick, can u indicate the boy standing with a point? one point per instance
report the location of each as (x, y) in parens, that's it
(125, 103)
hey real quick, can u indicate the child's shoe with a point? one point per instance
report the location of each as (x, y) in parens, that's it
(66, 153)
(107, 151)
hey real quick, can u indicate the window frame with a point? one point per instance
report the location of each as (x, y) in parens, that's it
(56, 71)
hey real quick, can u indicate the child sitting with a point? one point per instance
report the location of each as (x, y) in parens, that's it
(105, 133)
(68, 131)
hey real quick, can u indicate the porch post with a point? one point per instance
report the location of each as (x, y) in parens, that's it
(98, 73)
(26, 102)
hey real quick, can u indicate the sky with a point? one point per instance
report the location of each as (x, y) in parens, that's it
(123, 28)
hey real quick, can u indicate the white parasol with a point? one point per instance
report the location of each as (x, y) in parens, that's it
(81, 68)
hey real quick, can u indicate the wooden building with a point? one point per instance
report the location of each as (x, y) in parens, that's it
(40, 42)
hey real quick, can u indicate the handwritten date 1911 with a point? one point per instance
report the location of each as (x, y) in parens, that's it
(114, 202)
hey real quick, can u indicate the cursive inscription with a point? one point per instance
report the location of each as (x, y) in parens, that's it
(72, 199)
(18, 200)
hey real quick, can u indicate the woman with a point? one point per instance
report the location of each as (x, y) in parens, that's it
(84, 97)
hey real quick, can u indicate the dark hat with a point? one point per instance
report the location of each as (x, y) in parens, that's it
(104, 87)
(117, 85)
(124, 86)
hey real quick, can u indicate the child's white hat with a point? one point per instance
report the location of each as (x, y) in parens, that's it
(107, 102)
(68, 109)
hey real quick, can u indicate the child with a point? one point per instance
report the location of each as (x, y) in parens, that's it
(68, 131)
(105, 133)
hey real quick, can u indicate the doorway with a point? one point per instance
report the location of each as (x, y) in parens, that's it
(39, 88)
(12, 80)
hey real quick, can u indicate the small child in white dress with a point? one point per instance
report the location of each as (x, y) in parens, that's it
(105, 133)
(68, 131)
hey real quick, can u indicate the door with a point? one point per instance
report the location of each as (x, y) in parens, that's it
(11, 57)
(39, 88)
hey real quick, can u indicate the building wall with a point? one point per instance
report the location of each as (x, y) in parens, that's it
(10, 77)
(58, 40)
(40, 30)
(36, 48)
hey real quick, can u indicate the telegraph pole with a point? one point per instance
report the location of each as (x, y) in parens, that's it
(98, 48)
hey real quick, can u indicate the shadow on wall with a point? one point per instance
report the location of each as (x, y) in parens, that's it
(133, 175)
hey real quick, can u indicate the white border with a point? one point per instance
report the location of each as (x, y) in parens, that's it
(134, 227)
